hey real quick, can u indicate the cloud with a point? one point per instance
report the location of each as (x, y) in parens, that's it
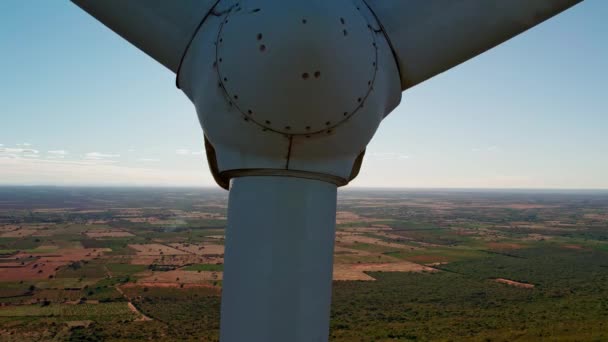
(58, 152)
(100, 156)
(27, 171)
(11, 150)
(148, 160)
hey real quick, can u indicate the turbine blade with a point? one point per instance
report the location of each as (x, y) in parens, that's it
(432, 36)
(160, 28)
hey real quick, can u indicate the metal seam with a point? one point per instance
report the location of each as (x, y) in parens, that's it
(288, 152)
(181, 60)
(388, 39)
(307, 134)
(338, 181)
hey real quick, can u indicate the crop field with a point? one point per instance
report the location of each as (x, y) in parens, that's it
(147, 264)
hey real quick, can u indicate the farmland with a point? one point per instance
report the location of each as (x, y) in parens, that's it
(146, 264)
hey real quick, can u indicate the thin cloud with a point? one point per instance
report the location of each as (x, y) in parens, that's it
(148, 160)
(58, 152)
(100, 156)
(18, 150)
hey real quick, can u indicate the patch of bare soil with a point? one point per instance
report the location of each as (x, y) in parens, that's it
(199, 249)
(357, 271)
(350, 217)
(156, 249)
(19, 232)
(514, 283)
(348, 238)
(182, 277)
(47, 264)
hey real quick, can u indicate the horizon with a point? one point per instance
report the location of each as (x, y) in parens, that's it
(528, 114)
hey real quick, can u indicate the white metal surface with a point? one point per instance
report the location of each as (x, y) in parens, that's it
(278, 260)
(160, 28)
(251, 73)
(432, 36)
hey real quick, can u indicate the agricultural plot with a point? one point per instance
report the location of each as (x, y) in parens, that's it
(146, 264)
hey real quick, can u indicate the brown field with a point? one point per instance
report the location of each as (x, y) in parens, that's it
(108, 233)
(47, 264)
(156, 249)
(350, 217)
(349, 238)
(199, 249)
(181, 277)
(514, 283)
(357, 271)
(19, 232)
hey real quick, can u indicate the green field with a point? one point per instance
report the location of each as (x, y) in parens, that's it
(499, 266)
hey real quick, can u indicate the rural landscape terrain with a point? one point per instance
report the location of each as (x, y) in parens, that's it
(120, 264)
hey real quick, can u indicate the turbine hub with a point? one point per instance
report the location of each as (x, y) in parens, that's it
(296, 67)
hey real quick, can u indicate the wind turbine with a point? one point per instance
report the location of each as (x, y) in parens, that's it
(289, 93)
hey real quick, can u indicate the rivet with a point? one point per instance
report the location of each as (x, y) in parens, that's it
(249, 112)
(287, 128)
(342, 21)
(267, 122)
(345, 32)
(262, 47)
(259, 36)
(328, 123)
(308, 128)
(317, 74)
(305, 75)
(304, 21)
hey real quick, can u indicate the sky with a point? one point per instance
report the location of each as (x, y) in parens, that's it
(81, 106)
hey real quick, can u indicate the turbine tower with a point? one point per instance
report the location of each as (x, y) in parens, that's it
(289, 93)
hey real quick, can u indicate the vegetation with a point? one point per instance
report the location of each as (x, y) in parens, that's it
(130, 265)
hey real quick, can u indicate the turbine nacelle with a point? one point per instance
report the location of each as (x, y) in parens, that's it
(290, 88)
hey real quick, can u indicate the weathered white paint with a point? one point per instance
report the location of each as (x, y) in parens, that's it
(278, 260)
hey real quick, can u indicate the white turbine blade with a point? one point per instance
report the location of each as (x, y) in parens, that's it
(160, 28)
(432, 36)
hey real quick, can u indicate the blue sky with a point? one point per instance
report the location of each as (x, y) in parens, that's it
(81, 106)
